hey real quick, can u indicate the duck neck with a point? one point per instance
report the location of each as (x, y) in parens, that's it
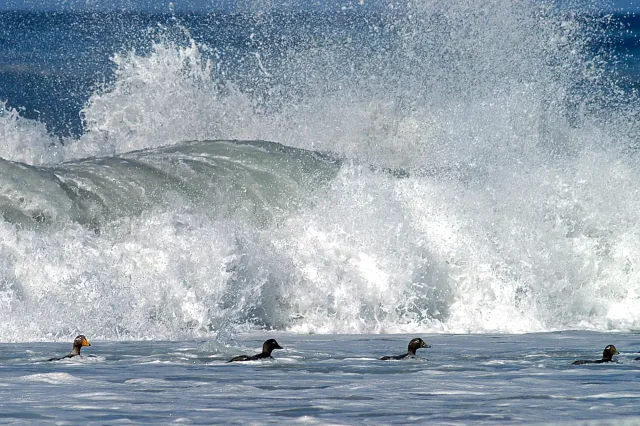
(75, 350)
(267, 349)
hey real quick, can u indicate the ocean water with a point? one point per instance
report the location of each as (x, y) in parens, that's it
(343, 177)
(327, 379)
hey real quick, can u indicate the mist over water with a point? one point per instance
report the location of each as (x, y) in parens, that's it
(459, 168)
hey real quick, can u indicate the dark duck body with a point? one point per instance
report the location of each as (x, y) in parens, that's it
(78, 343)
(607, 356)
(414, 345)
(267, 347)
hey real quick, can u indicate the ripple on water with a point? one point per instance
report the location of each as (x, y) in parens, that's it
(52, 378)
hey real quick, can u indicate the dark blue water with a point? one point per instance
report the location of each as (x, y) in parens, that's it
(624, 46)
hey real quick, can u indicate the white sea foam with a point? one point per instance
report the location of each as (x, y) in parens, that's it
(52, 378)
(25, 140)
(478, 192)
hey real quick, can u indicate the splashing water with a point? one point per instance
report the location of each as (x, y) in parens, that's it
(480, 179)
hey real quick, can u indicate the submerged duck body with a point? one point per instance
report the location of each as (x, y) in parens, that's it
(78, 343)
(267, 347)
(414, 345)
(607, 356)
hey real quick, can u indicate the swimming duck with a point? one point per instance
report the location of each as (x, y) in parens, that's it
(78, 343)
(267, 347)
(414, 345)
(607, 356)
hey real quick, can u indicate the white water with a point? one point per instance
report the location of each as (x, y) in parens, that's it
(518, 211)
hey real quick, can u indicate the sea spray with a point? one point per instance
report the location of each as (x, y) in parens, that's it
(465, 169)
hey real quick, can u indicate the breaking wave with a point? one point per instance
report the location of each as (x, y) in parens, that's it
(468, 168)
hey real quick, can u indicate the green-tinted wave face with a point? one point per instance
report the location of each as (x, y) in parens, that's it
(253, 180)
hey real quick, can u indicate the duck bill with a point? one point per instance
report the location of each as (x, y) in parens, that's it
(278, 347)
(85, 342)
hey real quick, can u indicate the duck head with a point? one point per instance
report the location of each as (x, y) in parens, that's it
(416, 344)
(609, 352)
(78, 343)
(270, 345)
